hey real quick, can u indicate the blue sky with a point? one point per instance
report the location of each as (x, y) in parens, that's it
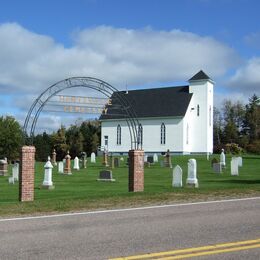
(141, 43)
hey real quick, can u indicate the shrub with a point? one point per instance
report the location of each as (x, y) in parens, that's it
(233, 148)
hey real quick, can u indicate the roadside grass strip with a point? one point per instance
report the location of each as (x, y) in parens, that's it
(198, 251)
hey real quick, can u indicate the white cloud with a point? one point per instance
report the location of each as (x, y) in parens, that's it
(247, 78)
(31, 62)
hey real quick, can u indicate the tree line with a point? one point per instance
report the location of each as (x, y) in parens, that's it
(75, 139)
(236, 128)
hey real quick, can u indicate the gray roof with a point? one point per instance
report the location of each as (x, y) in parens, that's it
(148, 103)
(200, 76)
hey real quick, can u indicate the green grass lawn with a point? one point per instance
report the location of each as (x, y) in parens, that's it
(81, 190)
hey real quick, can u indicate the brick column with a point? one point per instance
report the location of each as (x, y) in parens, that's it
(136, 170)
(26, 174)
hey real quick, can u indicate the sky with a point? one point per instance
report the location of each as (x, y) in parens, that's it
(133, 43)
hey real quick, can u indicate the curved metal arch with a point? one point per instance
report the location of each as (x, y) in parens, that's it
(89, 82)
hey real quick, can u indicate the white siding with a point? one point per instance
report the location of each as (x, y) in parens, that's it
(151, 135)
(200, 130)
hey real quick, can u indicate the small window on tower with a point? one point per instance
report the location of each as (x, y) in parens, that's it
(198, 110)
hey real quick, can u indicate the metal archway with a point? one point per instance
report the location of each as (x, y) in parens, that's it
(88, 82)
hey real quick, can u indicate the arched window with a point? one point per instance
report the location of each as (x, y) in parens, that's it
(118, 136)
(163, 133)
(198, 110)
(140, 134)
(187, 134)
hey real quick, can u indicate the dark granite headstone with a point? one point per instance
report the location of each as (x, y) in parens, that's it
(214, 160)
(150, 159)
(105, 176)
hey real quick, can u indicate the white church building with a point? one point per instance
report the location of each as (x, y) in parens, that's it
(176, 118)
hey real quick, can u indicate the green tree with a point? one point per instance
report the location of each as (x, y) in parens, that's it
(74, 140)
(43, 145)
(11, 137)
(91, 132)
(233, 114)
(252, 119)
(59, 143)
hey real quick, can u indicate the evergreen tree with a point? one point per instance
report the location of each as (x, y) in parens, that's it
(252, 119)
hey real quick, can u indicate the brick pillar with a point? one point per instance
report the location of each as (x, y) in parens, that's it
(26, 174)
(136, 170)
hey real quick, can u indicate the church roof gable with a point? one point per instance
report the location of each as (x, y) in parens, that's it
(152, 103)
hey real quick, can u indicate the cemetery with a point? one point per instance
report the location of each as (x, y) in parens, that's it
(105, 176)
(80, 188)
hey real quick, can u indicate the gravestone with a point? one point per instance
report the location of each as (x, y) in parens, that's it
(93, 158)
(60, 167)
(155, 158)
(105, 159)
(217, 167)
(15, 171)
(116, 162)
(192, 180)
(47, 182)
(54, 157)
(234, 166)
(177, 176)
(150, 159)
(67, 169)
(214, 160)
(105, 176)
(122, 159)
(112, 161)
(76, 163)
(167, 159)
(3, 168)
(223, 159)
(240, 161)
(83, 160)
(11, 180)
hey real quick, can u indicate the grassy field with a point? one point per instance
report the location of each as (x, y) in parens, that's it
(82, 191)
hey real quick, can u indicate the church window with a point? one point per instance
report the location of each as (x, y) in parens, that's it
(118, 138)
(163, 133)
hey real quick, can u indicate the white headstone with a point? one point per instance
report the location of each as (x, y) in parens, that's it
(76, 163)
(234, 166)
(145, 158)
(155, 157)
(177, 176)
(122, 159)
(223, 158)
(47, 182)
(93, 158)
(60, 167)
(240, 161)
(15, 171)
(11, 180)
(192, 173)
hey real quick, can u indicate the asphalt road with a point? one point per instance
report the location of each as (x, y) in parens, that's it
(113, 234)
